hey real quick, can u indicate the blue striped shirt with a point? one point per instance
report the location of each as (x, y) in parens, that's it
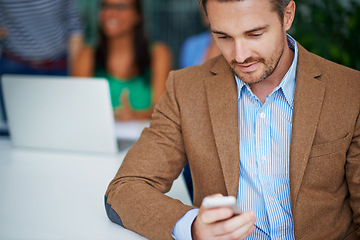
(264, 147)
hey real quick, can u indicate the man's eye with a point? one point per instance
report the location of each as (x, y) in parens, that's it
(256, 35)
(223, 37)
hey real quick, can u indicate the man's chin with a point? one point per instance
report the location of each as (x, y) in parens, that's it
(248, 78)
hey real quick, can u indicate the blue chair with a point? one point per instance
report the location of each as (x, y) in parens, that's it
(188, 180)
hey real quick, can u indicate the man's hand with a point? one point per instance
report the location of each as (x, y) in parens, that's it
(219, 223)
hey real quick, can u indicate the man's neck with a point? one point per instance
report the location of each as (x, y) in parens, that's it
(264, 88)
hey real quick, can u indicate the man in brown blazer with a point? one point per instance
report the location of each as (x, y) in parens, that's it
(197, 121)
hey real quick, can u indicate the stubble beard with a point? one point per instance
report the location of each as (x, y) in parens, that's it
(271, 65)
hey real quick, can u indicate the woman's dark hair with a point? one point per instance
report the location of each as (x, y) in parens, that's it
(142, 54)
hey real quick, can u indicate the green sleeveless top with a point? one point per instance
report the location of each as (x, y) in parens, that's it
(138, 87)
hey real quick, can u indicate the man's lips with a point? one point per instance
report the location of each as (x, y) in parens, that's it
(248, 67)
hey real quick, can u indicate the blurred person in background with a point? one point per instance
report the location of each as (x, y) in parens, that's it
(135, 69)
(198, 48)
(39, 37)
(89, 12)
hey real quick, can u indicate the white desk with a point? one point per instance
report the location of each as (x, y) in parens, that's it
(58, 195)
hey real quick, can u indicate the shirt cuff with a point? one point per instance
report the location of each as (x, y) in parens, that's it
(182, 229)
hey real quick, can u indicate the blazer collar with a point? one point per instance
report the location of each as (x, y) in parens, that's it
(223, 108)
(308, 100)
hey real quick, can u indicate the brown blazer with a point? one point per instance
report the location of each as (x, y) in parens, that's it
(196, 121)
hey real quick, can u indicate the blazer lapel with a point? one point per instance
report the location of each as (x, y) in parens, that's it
(223, 108)
(222, 98)
(308, 100)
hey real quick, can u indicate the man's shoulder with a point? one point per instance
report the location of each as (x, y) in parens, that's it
(331, 68)
(326, 70)
(330, 65)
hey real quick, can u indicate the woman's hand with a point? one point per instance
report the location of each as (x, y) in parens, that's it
(124, 112)
(3, 32)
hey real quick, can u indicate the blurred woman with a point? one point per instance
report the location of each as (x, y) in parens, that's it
(135, 69)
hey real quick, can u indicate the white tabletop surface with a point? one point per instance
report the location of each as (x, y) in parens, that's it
(60, 195)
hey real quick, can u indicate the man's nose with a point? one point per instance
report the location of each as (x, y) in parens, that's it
(241, 51)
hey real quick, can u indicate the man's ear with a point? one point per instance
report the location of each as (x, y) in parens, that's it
(289, 14)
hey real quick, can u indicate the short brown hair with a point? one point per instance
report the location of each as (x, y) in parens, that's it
(278, 5)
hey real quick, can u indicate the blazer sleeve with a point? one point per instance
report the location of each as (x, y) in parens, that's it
(353, 174)
(135, 197)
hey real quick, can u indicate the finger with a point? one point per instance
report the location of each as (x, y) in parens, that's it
(213, 215)
(216, 195)
(124, 96)
(246, 218)
(240, 234)
(210, 216)
(238, 227)
(202, 227)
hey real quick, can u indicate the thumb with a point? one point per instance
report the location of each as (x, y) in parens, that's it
(124, 97)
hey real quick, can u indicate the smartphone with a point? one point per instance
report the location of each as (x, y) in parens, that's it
(227, 201)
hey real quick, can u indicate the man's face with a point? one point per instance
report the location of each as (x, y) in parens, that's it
(250, 35)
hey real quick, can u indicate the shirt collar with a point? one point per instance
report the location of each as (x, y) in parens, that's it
(287, 84)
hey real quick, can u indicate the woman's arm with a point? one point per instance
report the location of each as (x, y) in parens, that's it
(85, 63)
(75, 44)
(161, 64)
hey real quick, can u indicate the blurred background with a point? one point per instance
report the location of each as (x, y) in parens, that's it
(62, 37)
(329, 28)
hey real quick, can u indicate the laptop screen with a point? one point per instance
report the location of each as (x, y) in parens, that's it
(61, 113)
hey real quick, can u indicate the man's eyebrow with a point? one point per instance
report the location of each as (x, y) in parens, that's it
(257, 29)
(218, 32)
(247, 32)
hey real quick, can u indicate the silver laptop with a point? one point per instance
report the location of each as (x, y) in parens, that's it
(3, 125)
(60, 113)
